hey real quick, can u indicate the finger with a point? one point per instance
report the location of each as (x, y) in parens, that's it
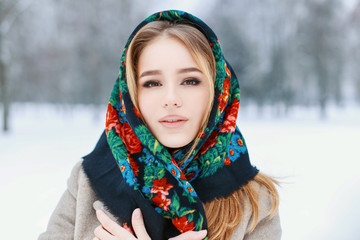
(109, 225)
(191, 235)
(102, 234)
(139, 226)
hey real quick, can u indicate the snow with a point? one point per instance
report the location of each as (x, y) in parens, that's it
(316, 162)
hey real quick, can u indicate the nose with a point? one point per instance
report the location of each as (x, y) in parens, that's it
(172, 99)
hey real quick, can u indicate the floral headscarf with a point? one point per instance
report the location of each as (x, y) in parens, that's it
(218, 165)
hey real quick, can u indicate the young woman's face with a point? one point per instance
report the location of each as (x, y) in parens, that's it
(173, 93)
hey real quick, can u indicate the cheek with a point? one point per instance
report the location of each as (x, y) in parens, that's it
(199, 101)
(205, 99)
(147, 105)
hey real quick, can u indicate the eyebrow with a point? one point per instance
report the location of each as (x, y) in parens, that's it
(158, 72)
(191, 69)
(150, 73)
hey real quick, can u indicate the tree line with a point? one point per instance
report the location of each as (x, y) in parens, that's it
(285, 53)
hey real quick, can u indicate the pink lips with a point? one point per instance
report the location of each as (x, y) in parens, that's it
(173, 121)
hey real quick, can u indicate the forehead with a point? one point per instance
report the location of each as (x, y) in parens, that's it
(164, 50)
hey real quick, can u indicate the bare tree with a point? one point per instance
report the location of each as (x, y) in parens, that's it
(6, 10)
(322, 47)
(10, 12)
(354, 48)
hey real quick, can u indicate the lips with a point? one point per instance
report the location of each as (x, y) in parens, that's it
(173, 121)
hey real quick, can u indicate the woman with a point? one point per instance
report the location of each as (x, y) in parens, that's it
(171, 163)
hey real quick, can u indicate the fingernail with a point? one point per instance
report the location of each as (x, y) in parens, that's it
(202, 232)
(99, 211)
(137, 213)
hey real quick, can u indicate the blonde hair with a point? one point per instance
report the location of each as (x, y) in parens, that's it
(223, 214)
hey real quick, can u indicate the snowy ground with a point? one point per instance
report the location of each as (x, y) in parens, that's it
(316, 161)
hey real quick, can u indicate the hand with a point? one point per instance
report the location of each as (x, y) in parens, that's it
(110, 230)
(191, 235)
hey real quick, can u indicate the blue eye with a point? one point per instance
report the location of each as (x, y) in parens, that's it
(150, 84)
(191, 81)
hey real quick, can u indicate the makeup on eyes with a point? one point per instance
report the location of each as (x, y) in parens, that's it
(151, 83)
(190, 76)
(192, 81)
(186, 82)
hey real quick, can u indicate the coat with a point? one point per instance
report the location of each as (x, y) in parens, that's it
(75, 214)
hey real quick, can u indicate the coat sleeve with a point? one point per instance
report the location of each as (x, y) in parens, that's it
(62, 220)
(266, 229)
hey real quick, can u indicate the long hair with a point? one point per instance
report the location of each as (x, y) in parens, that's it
(223, 214)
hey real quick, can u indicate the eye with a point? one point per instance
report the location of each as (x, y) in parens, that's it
(149, 84)
(191, 81)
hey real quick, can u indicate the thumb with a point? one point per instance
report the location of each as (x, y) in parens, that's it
(139, 226)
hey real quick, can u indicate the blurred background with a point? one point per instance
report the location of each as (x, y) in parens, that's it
(297, 62)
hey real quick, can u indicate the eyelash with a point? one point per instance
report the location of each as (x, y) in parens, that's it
(190, 81)
(150, 84)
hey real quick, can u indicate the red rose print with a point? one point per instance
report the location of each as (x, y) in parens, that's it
(134, 165)
(182, 224)
(210, 142)
(240, 142)
(161, 201)
(224, 96)
(230, 117)
(227, 70)
(227, 161)
(112, 119)
(161, 187)
(130, 140)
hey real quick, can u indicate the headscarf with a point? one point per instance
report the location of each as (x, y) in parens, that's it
(217, 166)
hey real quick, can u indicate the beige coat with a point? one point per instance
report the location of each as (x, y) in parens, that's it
(74, 216)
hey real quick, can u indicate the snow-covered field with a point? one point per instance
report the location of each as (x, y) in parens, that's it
(317, 163)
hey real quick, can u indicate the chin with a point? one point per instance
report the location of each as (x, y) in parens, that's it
(174, 144)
